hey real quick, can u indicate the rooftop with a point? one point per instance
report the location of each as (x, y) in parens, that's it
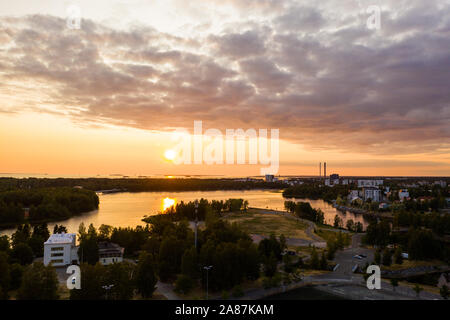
(61, 238)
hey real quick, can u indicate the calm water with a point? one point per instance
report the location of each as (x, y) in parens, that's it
(127, 209)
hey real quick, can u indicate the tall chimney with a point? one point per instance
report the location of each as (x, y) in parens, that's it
(325, 170)
(320, 170)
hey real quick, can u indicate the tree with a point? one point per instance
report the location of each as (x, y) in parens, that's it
(120, 277)
(417, 289)
(377, 256)
(16, 272)
(282, 240)
(169, 260)
(394, 283)
(22, 253)
(444, 291)
(59, 229)
(331, 249)
(92, 280)
(337, 222)
(39, 236)
(5, 275)
(398, 258)
(39, 283)
(323, 262)
(387, 257)
(146, 275)
(184, 284)
(88, 249)
(104, 232)
(4, 243)
(358, 227)
(270, 265)
(190, 263)
(314, 263)
(350, 225)
(287, 263)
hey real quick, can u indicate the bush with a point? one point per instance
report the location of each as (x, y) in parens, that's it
(237, 291)
(184, 284)
(225, 295)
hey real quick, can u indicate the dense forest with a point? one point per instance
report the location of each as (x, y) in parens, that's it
(316, 191)
(139, 184)
(44, 204)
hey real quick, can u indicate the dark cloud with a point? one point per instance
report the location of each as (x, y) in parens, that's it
(343, 87)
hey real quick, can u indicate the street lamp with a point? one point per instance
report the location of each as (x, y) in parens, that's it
(196, 222)
(107, 288)
(207, 269)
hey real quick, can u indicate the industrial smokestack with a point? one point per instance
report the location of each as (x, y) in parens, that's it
(325, 170)
(320, 170)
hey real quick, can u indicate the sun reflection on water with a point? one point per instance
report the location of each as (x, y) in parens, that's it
(167, 203)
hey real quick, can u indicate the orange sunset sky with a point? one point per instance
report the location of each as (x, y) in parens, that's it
(105, 98)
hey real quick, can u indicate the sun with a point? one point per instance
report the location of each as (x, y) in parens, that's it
(170, 155)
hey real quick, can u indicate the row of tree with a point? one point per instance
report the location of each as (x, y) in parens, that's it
(199, 209)
(316, 191)
(420, 243)
(139, 184)
(45, 204)
(305, 211)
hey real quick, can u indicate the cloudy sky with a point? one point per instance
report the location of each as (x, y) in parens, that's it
(105, 98)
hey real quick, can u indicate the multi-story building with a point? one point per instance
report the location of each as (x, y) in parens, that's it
(60, 249)
(372, 193)
(369, 183)
(110, 253)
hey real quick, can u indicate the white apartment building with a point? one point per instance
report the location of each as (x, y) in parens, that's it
(369, 183)
(372, 193)
(402, 194)
(61, 250)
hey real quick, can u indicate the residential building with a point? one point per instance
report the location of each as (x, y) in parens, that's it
(369, 183)
(60, 249)
(109, 252)
(403, 194)
(372, 193)
(441, 183)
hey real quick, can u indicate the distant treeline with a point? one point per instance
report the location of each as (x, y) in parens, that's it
(45, 204)
(199, 209)
(316, 191)
(139, 184)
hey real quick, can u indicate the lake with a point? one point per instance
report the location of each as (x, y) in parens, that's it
(126, 209)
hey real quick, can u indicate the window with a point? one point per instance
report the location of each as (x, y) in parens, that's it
(59, 254)
(57, 248)
(57, 261)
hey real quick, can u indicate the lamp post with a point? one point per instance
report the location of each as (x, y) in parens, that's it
(196, 222)
(207, 269)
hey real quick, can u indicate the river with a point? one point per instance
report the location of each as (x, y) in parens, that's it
(126, 209)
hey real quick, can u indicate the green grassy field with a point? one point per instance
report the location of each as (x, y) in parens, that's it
(266, 223)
